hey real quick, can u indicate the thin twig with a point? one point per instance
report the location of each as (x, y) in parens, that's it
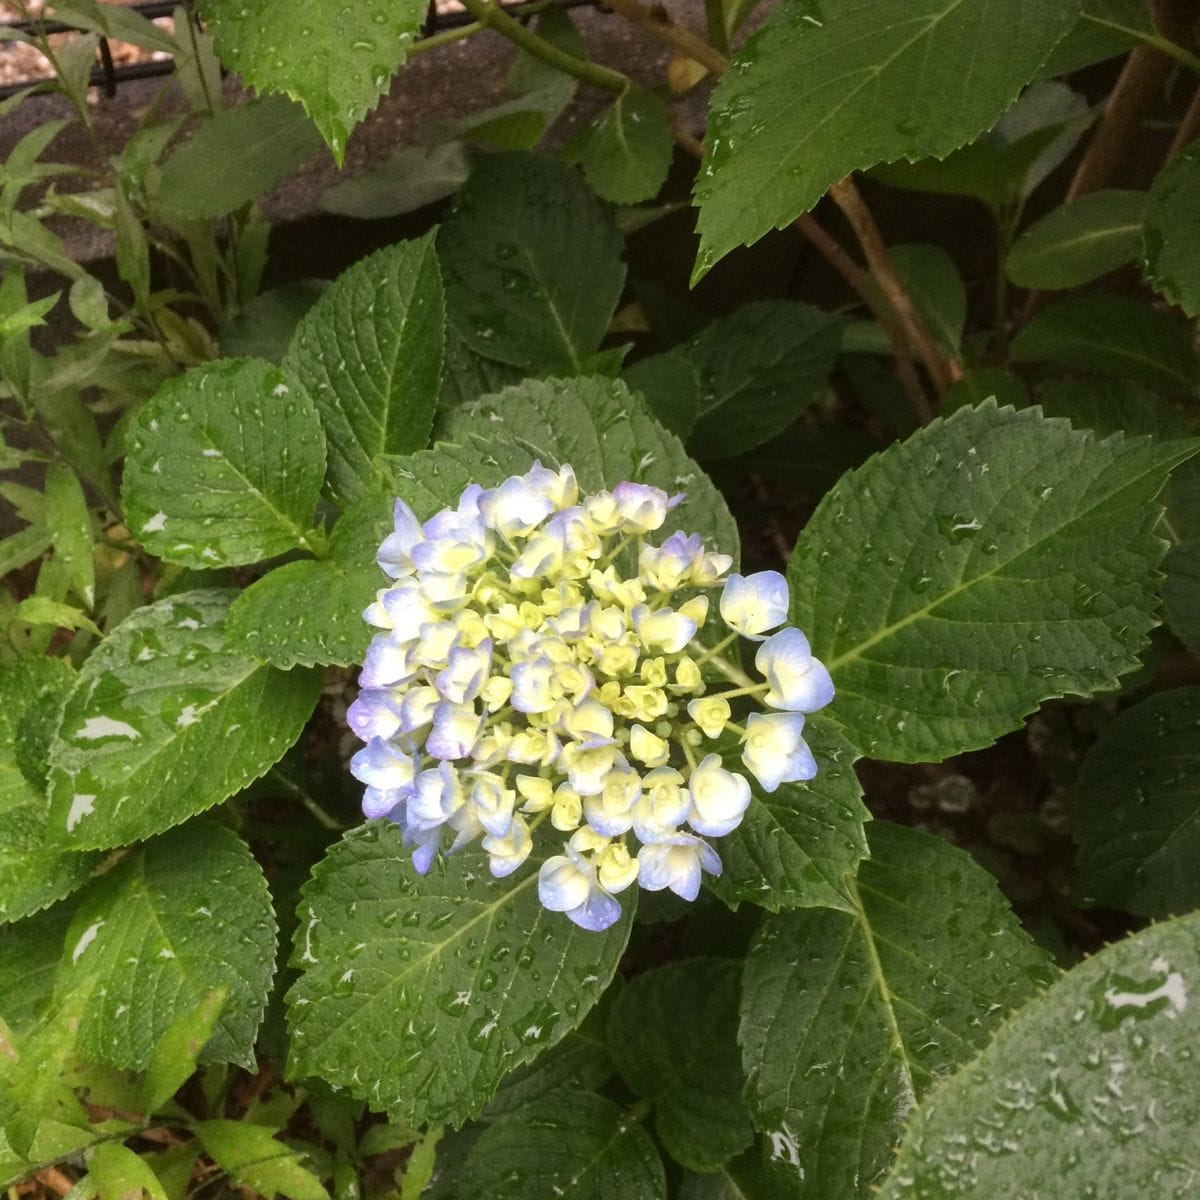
(1188, 131)
(55, 1180)
(942, 370)
(657, 22)
(489, 13)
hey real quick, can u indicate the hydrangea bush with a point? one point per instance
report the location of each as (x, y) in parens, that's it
(510, 724)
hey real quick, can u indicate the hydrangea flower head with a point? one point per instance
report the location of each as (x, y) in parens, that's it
(521, 682)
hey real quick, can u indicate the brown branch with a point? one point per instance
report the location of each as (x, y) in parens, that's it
(657, 22)
(55, 1180)
(942, 370)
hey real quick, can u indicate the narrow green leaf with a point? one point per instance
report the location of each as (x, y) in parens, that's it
(1091, 1084)
(70, 523)
(335, 59)
(849, 1018)
(796, 845)
(880, 80)
(310, 612)
(995, 559)
(256, 1160)
(369, 352)
(1171, 231)
(625, 152)
(184, 915)
(689, 1067)
(760, 368)
(603, 430)
(165, 721)
(1086, 238)
(453, 978)
(224, 466)
(1111, 335)
(533, 264)
(235, 156)
(1136, 808)
(174, 1058)
(41, 610)
(570, 1145)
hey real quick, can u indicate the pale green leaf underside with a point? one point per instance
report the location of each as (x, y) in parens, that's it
(796, 845)
(1136, 808)
(165, 721)
(452, 978)
(1092, 1084)
(224, 466)
(370, 354)
(574, 1145)
(184, 914)
(995, 559)
(690, 1068)
(847, 1019)
(335, 58)
(604, 431)
(826, 89)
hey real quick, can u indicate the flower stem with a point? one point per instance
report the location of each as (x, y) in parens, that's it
(715, 650)
(731, 672)
(750, 690)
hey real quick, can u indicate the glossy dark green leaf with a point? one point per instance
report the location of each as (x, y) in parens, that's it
(1091, 1085)
(532, 262)
(673, 1035)
(454, 978)
(1135, 808)
(995, 559)
(165, 721)
(369, 352)
(849, 1018)
(224, 466)
(182, 915)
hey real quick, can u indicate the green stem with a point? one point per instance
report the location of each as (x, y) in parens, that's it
(731, 672)
(323, 818)
(750, 690)
(489, 13)
(714, 17)
(715, 649)
(446, 37)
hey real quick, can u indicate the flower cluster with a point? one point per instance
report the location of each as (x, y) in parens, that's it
(518, 677)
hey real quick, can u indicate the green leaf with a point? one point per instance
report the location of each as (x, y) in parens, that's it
(310, 612)
(796, 845)
(224, 466)
(264, 327)
(70, 523)
(937, 291)
(1136, 808)
(32, 873)
(187, 913)
(603, 430)
(467, 376)
(532, 263)
(1181, 594)
(165, 721)
(1105, 28)
(625, 152)
(993, 560)
(985, 383)
(174, 1058)
(1091, 1084)
(881, 80)
(689, 1067)
(453, 978)
(1087, 237)
(670, 385)
(572, 1145)
(29, 954)
(41, 610)
(335, 59)
(370, 354)
(114, 1170)
(1111, 335)
(760, 368)
(516, 124)
(403, 182)
(1170, 233)
(849, 1018)
(235, 156)
(257, 1161)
